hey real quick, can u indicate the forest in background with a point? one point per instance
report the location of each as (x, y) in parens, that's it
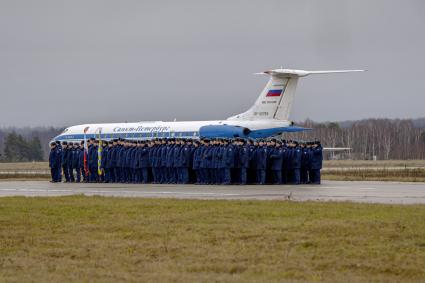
(383, 139)
(26, 144)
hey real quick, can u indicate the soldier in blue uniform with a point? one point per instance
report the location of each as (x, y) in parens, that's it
(133, 162)
(144, 163)
(123, 162)
(261, 163)
(89, 157)
(152, 148)
(192, 176)
(285, 162)
(75, 162)
(228, 162)
(221, 161)
(185, 162)
(244, 157)
(59, 149)
(213, 166)
(71, 152)
(276, 159)
(125, 165)
(162, 155)
(295, 163)
(176, 161)
(64, 161)
(109, 171)
(206, 162)
(171, 173)
(158, 162)
(201, 160)
(90, 161)
(81, 168)
(169, 162)
(270, 143)
(304, 163)
(113, 159)
(137, 163)
(154, 161)
(54, 162)
(95, 159)
(217, 161)
(116, 160)
(235, 171)
(197, 161)
(127, 161)
(316, 162)
(252, 172)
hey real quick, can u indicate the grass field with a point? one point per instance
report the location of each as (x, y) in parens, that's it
(375, 174)
(28, 166)
(374, 164)
(111, 239)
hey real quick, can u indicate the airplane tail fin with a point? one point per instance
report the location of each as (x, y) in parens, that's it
(275, 101)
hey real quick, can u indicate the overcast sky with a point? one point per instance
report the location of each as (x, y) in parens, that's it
(71, 62)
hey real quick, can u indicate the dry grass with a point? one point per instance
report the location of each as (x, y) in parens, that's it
(375, 174)
(25, 166)
(111, 239)
(374, 164)
(20, 176)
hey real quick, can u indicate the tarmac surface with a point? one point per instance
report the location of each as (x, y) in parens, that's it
(369, 192)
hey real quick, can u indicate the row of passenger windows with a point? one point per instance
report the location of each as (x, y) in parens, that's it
(146, 135)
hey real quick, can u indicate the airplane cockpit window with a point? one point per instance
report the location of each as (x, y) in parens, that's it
(66, 130)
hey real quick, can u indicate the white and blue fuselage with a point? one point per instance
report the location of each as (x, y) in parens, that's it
(190, 129)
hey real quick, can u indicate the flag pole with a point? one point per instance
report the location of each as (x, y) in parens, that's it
(99, 154)
(86, 169)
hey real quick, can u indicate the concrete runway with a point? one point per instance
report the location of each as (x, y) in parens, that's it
(370, 192)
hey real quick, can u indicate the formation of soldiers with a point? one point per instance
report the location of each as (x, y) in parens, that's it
(185, 161)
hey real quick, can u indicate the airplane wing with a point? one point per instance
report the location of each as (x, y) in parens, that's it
(336, 148)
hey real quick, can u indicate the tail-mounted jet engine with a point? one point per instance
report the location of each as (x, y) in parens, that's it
(223, 131)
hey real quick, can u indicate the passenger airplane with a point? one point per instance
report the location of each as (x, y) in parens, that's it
(269, 116)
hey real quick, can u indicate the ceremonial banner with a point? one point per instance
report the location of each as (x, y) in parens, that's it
(86, 150)
(99, 155)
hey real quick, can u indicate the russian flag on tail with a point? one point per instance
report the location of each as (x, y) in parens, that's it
(274, 92)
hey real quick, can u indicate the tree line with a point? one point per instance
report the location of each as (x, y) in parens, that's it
(368, 139)
(26, 144)
(18, 149)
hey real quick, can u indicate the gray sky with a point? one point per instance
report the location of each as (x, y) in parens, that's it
(71, 62)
